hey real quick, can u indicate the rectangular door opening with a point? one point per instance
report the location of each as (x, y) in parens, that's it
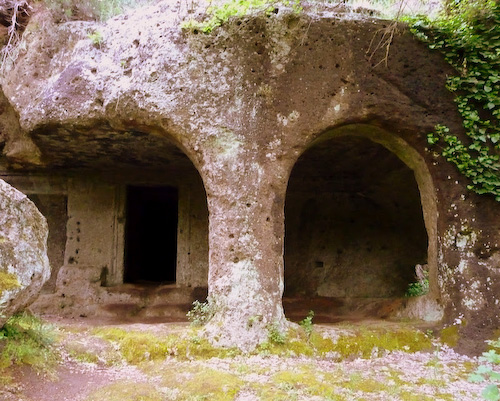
(151, 235)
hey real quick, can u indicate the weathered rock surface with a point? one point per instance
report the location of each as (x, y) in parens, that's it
(243, 104)
(24, 266)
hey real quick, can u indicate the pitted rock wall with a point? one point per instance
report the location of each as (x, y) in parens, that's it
(243, 103)
(24, 266)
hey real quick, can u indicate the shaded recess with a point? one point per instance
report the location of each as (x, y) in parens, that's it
(54, 208)
(102, 147)
(143, 180)
(151, 234)
(354, 228)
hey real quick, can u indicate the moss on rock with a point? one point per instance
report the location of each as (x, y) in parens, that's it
(450, 335)
(8, 281)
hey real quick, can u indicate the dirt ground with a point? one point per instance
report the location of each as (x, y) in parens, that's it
(92, 367)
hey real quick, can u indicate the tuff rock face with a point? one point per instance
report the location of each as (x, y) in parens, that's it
(242, 105)
(24, 266)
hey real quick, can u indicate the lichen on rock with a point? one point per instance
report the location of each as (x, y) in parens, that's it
(24, 266)
(8, 281)
(243, 104)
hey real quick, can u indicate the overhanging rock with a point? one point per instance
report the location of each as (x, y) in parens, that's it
(239, 107)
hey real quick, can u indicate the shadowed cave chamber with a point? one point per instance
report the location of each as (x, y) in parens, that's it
(354, 231)
(128, 208)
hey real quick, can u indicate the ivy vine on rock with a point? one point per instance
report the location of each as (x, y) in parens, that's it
(469, 38)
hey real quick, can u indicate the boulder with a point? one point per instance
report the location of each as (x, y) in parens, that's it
(24, 266)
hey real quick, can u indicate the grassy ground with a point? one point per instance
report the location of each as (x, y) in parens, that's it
(85, 361)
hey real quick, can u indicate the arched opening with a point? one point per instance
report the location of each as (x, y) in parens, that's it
(354, 228)
(136, 222)
(163, 215)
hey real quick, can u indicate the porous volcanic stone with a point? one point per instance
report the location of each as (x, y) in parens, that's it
(243, 104)
(24, 266)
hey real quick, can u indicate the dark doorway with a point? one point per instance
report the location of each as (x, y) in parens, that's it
(151, 235)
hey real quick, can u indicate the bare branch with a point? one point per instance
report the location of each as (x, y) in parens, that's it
(13, 15)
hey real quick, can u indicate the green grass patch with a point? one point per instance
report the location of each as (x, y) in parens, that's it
(362, 343)
(193, 383)
(372, 343)
(26, 340)
(85, 357)
(412, 396)
(212, 385)
(450, 335)
(87, 348)
(431, 382)
(137, 347)
(358, 382)
(218, 14)
(308, 381)
(274, 393)
(127, 391)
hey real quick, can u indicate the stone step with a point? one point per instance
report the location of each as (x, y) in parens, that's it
(151, 295)
(331, 310)
(175, 312)
(132, 300)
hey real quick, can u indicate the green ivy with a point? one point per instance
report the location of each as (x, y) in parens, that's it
(468, 36)
(486, 373)
(417, 289)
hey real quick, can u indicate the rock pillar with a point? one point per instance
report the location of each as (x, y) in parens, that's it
(246, 230)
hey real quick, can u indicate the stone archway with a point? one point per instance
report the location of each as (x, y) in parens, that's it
(359, 216)
(135, 219)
